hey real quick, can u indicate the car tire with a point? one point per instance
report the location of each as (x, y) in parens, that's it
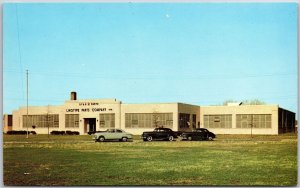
(149, 138)
(101, 139)
(189, 138)
(171, 138)
(210, 138)
(124, 139)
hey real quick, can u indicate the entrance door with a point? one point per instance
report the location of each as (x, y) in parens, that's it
(89, 125)
(194, 121)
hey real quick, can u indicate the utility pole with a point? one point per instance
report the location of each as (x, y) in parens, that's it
(27, 102)
(251, 124)
(48, 119)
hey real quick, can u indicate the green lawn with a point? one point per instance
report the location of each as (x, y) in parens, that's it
(76, 160)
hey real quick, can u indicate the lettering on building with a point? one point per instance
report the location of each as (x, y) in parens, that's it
(88, 110)
(88, 103)
(85, 110)
(98, 109)
(72, 110)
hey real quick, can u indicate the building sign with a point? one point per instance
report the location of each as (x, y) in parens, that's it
(88, 103)
(88, 107)
(87, 110)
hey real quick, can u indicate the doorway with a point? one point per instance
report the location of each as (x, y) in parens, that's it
(89, 125)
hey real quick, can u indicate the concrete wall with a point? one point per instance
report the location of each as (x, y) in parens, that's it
(92, 109)
(243, 109)
(33, 110)
(85, 109)
(148, 108)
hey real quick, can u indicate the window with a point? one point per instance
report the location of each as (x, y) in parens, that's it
(218, 121)
(148, 120)
(254, 120)
(41, 121)
(72, 120)
(107, 120)
(184, 120)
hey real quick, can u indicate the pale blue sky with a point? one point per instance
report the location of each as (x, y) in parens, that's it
(195, 53)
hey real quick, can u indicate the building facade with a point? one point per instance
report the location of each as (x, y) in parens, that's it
(7, 123)
(95, 115)
(247, 119)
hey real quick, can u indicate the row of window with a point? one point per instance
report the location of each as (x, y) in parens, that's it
(254, 121)
(72, 120)
(242, 121)
(218, 121)
(41, 121)
(148, 120)
(152, 120)
(107, 120)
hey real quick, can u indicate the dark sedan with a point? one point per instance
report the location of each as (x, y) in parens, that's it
(198, 134)
(159, 134)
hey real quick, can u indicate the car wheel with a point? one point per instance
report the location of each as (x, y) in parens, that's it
(149, 138)
(171, 138)
(101, 139)
(189, 138)
(124, 139)
(210, 138)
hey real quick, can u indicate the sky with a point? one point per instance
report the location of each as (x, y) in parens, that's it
(195, 53)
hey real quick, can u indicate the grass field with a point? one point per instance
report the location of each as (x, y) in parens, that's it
(234, 160)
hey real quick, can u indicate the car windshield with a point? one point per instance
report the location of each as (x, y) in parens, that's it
(199, 130)
(119, 131)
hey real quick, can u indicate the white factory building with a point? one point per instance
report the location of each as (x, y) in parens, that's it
(100, 114)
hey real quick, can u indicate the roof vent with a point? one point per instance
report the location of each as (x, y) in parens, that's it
(234, 103)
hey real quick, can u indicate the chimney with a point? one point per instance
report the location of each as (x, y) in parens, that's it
(73, 96)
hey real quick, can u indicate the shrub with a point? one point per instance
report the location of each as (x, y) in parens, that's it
(57, 132)
(16, 132)
(72, 132)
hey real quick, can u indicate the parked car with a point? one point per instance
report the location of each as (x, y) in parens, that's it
(112, 134)
(198, 134)
(160, 134)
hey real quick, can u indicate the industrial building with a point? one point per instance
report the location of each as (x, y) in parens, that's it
(7, 123)
(96, 115)
(247, 119)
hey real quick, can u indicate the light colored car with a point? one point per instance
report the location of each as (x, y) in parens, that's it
(112, 134)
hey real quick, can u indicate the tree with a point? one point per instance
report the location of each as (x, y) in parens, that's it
(253, 102)
(156, 119)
